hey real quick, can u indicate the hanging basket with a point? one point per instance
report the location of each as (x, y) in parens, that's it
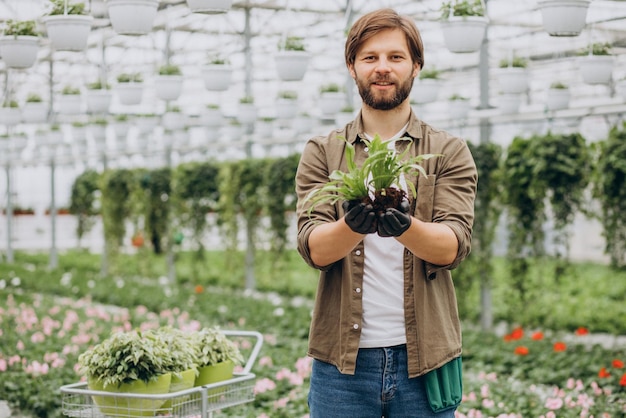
(557, 99)
(563, 17)
(209, 6)
(620, 88)
(426, 90)
(132, 17)
(596, 69)
(330, 103)
(69, 104)
(19, 51)
(68, 32)
(286, 108)
(512, 79)
(129, 93)
(168, 87)
(216, 77)
(98, 101)
(35, 112)
(509, 103)
(246, 113)
(458, 109)
(292, 65)
(10, 116)
(463, 34)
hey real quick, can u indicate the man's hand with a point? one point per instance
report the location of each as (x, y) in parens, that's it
(393, 222)
(360, 217)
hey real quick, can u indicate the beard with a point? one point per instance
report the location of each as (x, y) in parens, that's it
(384, 100)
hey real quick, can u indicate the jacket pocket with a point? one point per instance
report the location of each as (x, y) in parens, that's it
(425, 197)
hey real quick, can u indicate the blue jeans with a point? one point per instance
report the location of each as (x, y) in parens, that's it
(380, 387)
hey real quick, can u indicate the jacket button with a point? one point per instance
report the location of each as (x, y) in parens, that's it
(355, 326)
(358, 290)
(358, 252)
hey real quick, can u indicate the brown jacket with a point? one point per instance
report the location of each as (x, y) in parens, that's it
(446, 195)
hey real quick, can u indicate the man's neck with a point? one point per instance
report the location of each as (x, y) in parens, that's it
(385, 123)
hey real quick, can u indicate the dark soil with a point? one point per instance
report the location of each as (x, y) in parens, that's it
(387, 198)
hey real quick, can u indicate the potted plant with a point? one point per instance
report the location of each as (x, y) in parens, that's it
(426, 87)
(558, 96)
(132, 17)
(34, 109)
(292, 59)
(286, 104)
(19, 43)
(10, 114)
(121, 125)
(216, 74)
(129, 88)
(128, 362)
(216, 356)
(246, 111)
(375, 181)
(146, 122)
(98, 129)
(212, 116)
(265, 126)
(512, 75)
(458, 106)
(209, 6)
(620, 88)
(563, 17)
(68, 25)
(169, 82)
(596, 63)
(69, 102)
(98, 97)
(173, 118)
(331, 100)
(464, 24)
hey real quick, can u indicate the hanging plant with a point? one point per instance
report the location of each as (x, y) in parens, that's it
(609, 180)
(83, 201)
(156, 187)
(564, 165)
(196, 188)
(116, 186)
(524, 194)
(487, 210)
(280, 197)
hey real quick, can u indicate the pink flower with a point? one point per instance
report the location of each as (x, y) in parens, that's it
(266, 361)
(484, 391)
(281, 403)
(20, 345)
(263, 385)
(554, 403)
(488, 403)
(3, 365)
(303, 366)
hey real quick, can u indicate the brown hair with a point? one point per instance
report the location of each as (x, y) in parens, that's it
(372, 23)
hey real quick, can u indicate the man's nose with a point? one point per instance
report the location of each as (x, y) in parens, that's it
(383, 65)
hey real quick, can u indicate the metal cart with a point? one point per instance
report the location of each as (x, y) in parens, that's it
(198, 402)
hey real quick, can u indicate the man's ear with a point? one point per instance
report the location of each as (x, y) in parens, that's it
(416, 70)
(351, 70)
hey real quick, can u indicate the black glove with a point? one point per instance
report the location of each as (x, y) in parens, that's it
(393, 222)
(360, 217)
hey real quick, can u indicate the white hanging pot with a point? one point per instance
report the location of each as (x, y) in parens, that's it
(68, 32)
(509, 103)
(463, 34)
(121, 128)
(458, 109)
(557, 99)
(291, 65)
(216, 77)
(209, 6)
(330, 103)
(98, 101)
(596, 69)
(10, 116)
(620, 88)
(246, 113)
(132, 17)
(286, 108)
(98, 132)
(563, 17)
(129, 93)
(19, 51)
(212, 117)
(146, 124)
(34, 112)
(69, 104)
(173, 120)
(512, 79)
(168, 87)
(425, 90)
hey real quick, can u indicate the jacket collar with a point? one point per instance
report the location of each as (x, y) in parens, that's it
(355, 132)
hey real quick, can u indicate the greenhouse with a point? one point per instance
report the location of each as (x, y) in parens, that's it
(149, 150)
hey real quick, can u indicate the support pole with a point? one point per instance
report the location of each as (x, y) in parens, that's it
(9, 254)
(54, 261)
(250, 257)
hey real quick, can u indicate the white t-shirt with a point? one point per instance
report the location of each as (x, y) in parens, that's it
(383, 289)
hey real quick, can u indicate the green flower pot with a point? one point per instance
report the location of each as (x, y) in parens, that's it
(215, 373)
(180, 381)
(137, 407)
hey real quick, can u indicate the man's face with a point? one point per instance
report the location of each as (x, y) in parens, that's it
(383, 70)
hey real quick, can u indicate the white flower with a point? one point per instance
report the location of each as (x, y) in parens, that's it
(91, 284)
(16, 281)
(279, 312)
(66, 279)
(3, 284)
(119, 283)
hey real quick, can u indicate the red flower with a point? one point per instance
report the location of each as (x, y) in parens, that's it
(559, 347)
(622, 381)
(582, 331)
(198, 289)
(520, 350)
(516, 334)
(618, 364)
(603, 373)
(537, 336)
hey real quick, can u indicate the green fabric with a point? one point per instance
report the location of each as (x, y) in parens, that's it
(444, 386)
